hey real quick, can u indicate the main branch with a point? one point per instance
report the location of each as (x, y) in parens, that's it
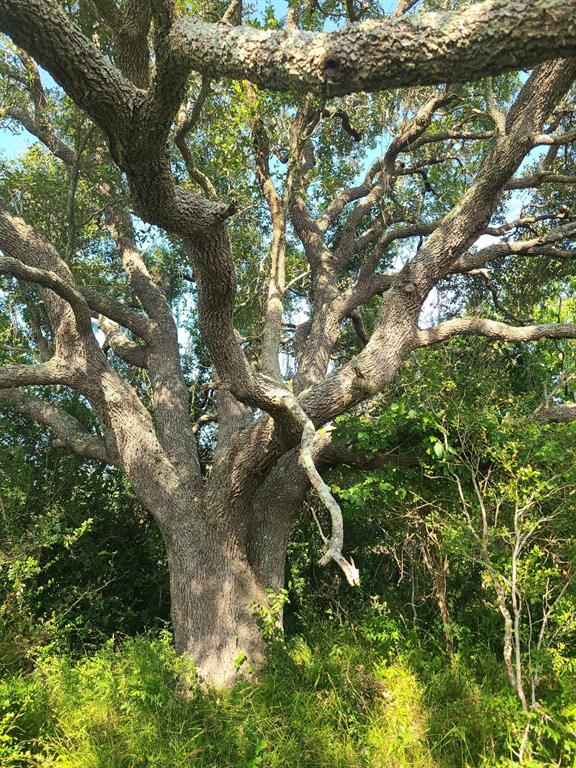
(426, 48)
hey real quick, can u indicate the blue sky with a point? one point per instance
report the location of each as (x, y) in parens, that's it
(13, 144)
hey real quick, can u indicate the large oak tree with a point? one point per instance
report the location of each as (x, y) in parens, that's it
(358, 244)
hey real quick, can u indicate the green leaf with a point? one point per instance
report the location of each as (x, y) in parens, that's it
(439, 450)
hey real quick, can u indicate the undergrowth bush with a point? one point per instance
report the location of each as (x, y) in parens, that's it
(327, 700)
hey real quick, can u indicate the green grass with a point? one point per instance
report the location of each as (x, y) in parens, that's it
(326, 701)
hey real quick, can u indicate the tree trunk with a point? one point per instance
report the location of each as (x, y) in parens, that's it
(215, 596)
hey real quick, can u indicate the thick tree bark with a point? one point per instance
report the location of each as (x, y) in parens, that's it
(214, 598)
(219, 578)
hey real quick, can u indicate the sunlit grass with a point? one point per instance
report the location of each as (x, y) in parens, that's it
(326, 701)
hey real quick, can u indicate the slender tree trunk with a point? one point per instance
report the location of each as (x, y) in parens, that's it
(437, 566)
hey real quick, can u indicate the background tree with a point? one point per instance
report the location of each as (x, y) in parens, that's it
(336, 207)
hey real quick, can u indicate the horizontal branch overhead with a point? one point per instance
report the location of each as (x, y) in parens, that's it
(426, 48)
(493, 329)
(481, 39)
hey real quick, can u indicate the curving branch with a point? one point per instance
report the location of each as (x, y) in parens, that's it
(535, 246)
(48, 279)
(117, 312)
(41, 130)
(492, 329)
(129, 351)
(29, 257)
(67, 430)
(523, 221)
(42, 28)
(538, 179)
(335, 542)
(359, 327)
